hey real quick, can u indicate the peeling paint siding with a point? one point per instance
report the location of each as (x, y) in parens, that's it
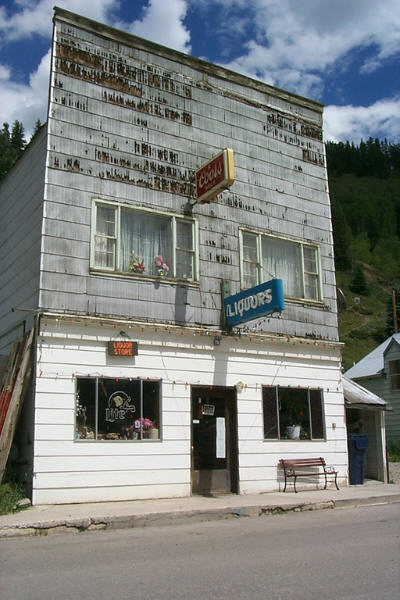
(133, 125)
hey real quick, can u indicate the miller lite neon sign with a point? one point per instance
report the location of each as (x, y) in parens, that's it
(214, 176)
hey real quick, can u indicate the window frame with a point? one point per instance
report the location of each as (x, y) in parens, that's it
(394, 374)
(309, 391)
(141, 380)
(259, 266)
(117, 270)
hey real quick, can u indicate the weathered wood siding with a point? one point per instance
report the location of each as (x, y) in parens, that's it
(21, 213)
(131, 121)
(86, 470)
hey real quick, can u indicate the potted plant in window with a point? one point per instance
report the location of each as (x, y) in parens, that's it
(162, 267)
(143, 424)
(136, 263)
(293, 431)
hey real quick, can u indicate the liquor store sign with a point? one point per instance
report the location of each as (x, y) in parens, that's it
(214, 176)
(122, 348)
(259, 301)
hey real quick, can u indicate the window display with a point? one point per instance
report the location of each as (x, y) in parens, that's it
(293, 413)
(117, 409)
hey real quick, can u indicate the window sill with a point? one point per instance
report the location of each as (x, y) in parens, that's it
(298, 440)
(305, 302)
(143, 277)
(91, 441)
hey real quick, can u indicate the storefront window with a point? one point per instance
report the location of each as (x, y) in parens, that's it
(117, 409)
(293, 413)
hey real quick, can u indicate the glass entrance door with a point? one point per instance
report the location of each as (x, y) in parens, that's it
(214, 441)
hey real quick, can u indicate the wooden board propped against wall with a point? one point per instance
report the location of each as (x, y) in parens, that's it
(14, 385)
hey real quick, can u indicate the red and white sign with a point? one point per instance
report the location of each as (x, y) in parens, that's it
(216, 175)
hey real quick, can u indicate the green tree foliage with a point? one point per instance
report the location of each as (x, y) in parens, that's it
(36, 128)
(370, 159)
(359, 282)
(342, 237)
(12, 145)
(364, 184)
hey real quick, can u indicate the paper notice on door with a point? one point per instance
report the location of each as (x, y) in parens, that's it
(220, 442)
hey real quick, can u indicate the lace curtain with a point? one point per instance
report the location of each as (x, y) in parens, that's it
(145, 237)
(282, 259)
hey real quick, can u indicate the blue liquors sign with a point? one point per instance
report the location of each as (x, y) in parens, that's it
(259, 301)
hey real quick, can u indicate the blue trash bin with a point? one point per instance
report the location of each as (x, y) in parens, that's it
(357, 444)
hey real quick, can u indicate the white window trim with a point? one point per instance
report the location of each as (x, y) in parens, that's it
(116, 270)
(300, 243)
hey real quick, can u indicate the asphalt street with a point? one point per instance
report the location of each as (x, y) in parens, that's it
(330, 554)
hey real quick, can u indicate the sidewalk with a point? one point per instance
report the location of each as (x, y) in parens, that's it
(48, 519)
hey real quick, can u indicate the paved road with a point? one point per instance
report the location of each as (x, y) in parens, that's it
(328, 554)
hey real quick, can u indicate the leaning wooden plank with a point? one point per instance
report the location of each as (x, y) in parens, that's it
(9, 379)
(15, 404)
(7, 364)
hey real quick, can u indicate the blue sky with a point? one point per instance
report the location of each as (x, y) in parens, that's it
(343, 53)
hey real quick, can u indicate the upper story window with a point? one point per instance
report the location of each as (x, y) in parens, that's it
(128, 240)
(394, 373)
(264, 257)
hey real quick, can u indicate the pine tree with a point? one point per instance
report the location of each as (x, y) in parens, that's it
(18, 141)
(342, 237)
(359, 282)
(11, 146)
(7, 152)
(37, 127)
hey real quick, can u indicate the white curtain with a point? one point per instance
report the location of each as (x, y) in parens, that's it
(282, 259)
(144, 237)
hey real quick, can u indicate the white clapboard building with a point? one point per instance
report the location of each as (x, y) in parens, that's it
(166, 361)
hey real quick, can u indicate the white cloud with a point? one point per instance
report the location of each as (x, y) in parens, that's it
(4, 72)
(312, 36)
(162, 22)
(36, 17)
(26, 102)
(354, 123)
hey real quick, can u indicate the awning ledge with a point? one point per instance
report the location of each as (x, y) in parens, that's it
(357, 396)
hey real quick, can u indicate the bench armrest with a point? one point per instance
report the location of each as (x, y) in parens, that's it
(330, 469)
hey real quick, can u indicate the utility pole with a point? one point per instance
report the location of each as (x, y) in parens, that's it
(395, 327)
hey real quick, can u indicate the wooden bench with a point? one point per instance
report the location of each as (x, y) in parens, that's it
(305, 467)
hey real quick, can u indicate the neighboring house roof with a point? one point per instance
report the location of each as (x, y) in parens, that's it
(356, 395)
(372, 364)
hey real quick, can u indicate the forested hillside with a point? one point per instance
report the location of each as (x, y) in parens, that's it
(364, 183)
(364, 186)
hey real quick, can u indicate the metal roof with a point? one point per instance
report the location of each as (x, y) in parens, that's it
(356, 395)
(372, 363)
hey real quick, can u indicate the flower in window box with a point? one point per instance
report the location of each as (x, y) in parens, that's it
(162, 267)
(136, 263)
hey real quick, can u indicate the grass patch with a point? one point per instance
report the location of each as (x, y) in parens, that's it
(362, 323)
(394, 451)
(10, 495)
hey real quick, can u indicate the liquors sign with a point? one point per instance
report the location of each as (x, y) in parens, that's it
(216, 175)
(259, 301)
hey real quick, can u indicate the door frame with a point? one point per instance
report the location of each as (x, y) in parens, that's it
(230, 396)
